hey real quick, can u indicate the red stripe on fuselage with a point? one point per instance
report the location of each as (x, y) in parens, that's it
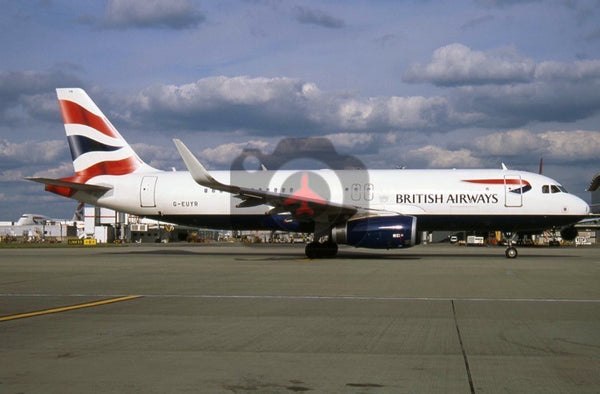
(74, 113)
(499, 181)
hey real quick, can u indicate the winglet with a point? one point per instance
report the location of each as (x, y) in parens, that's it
(195, 168)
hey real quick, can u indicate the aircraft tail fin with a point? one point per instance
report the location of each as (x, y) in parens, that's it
(96, 146)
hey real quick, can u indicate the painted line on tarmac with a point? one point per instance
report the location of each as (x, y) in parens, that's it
(462, 348)
(67, 308)
(312, 297)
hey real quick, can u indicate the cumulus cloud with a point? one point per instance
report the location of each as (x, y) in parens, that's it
(431, 156)
(354, 142)
(59, 170)
(172, 14)
(511, 106)
(11, 175)
(218, 103)
(577, 145)
(501, 88)
(225, 154)
(509, 143)
(289, 107)
(160, 157)
(564, 146)
(29, 91)
(576, 71)
(31, 152)
(457, 64)
(279, 106)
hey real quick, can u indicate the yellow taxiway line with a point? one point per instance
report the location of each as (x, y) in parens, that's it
(68, 308)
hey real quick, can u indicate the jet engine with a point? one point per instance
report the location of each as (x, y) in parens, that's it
(568, 233)
(378, 232)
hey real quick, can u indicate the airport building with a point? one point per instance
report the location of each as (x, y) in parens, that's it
(39, 228)
(594, 188)
(106, 226)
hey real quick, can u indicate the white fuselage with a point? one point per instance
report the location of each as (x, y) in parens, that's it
(440, 199)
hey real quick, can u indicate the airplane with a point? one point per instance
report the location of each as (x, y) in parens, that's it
(380, 209)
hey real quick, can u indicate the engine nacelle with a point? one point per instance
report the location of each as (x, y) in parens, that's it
(569, 233)
(378, 232)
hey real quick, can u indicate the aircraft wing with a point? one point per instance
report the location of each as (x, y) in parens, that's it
(303, 208)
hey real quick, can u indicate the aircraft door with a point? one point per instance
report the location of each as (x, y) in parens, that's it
(148, 192)
(513, 191)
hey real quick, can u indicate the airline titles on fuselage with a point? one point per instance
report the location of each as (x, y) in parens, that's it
(442, 198)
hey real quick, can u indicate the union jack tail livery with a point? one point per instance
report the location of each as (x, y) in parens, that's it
(96, 146)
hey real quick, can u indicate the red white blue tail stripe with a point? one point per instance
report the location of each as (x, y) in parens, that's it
(96, 146)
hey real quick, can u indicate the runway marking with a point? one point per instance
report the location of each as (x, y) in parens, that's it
(462, 348)
(67, 308)
(315, 297)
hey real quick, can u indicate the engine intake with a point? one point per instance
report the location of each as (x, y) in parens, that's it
(378, 232)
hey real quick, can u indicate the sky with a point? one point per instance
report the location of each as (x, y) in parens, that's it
(421, 84)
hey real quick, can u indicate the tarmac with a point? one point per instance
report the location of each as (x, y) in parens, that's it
(264, 319)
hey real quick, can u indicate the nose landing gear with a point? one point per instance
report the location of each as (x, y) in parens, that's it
(511, 252)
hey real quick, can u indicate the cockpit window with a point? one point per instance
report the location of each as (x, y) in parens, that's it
(553, 189)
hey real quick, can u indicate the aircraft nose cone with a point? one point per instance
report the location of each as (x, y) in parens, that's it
(581, 206)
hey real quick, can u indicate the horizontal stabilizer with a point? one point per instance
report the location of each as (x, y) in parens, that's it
(84, 187)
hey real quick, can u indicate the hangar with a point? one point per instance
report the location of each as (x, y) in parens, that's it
(594, 189)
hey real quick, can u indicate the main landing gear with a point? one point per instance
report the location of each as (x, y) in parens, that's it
(318, 250)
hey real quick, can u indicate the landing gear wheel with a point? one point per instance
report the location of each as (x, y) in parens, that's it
(331, 249)
(316, 250)
(311, 250)
(511, 252)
